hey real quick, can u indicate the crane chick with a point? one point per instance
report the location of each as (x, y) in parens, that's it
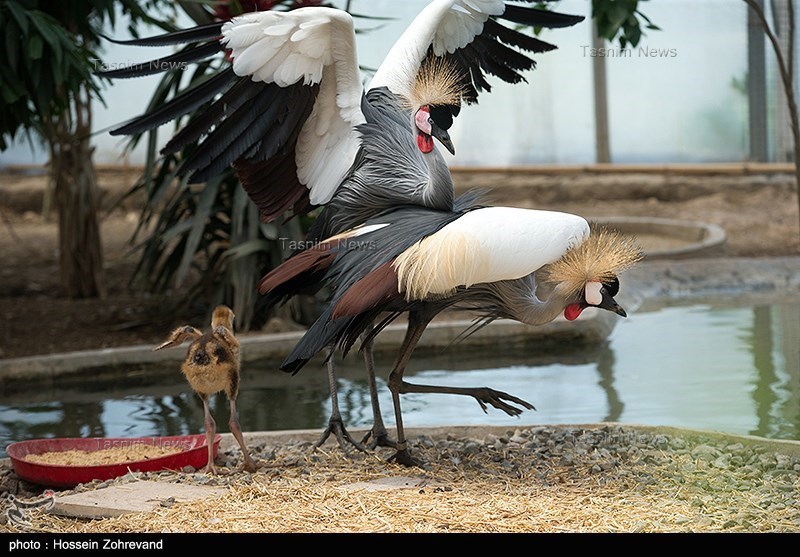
(212, 365)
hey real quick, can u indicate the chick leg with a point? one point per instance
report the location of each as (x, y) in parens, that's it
(178, 336)
(233, 423)
(211, 432)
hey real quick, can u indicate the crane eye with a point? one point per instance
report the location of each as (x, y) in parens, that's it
(442, 116)
(612, 286)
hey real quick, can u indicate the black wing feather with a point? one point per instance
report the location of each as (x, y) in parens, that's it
(206, 32)
(496, 50)
(540, 18)
(180, 105)
(503, 54)
(185, 56)
(232, 138)
(236, 96)
(493, 28)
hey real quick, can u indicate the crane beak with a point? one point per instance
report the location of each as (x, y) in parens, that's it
(611, 304)
(443, 137)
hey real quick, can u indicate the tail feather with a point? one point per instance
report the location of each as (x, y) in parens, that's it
(376, 288)
(315, 259)
(322, 334)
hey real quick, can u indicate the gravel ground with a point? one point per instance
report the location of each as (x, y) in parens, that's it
(593, 478)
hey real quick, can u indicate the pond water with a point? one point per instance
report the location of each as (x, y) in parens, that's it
(704, 365)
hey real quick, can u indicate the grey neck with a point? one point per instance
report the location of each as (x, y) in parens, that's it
(519, 301)
(438, 190)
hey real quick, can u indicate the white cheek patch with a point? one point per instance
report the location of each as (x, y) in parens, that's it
(421, 120)
(593, 296)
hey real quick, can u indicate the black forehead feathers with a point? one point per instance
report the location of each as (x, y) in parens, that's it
(442, 115)
(612, 287)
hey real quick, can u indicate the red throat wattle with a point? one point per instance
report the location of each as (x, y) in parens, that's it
(424, 142)
(572, 311)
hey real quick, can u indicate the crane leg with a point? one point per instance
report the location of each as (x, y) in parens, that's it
(484, 396)
(335, 423)
(417, 323)
(378, 433)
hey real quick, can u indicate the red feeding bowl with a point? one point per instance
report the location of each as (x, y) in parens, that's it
(194, 452)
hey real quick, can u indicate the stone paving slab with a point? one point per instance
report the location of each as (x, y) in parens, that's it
(131, 497)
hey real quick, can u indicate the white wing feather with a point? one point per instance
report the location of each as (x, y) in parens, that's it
(316, 46)
(521, 241)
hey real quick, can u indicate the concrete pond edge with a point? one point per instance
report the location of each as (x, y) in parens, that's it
(651, 282)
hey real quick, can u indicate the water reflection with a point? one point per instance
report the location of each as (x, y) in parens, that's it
(605, 369)
(761, 345)
(776, 358)
(734, 369)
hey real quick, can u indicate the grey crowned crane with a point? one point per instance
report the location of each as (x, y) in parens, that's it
(212, 365)
(423, 261)
(290, 115)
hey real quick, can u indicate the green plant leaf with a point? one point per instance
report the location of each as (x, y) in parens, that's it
(204, 206)
(12, 44)
(269, 230)
(19, 14)
(35, 47)
(249, 247)
(48, 29)
(175, 231)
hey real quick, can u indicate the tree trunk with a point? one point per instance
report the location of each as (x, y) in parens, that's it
(76, 196)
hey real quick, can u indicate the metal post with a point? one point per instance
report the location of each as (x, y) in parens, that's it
(603, 148)
(784, 142)
(756, 87)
